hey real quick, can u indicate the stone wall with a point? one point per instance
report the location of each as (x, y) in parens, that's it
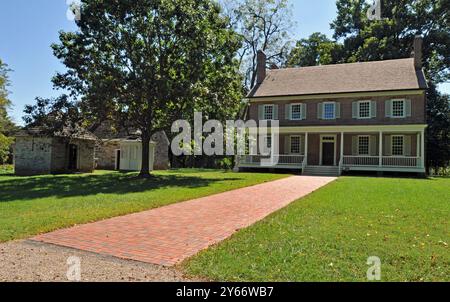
(86, 150)
(46, 155)
(105, 154)
(161, 151)
(60, 156)
(32, 155)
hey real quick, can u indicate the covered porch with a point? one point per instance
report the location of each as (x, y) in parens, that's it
(349, 148)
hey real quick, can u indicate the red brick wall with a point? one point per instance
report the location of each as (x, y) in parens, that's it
(417, 102)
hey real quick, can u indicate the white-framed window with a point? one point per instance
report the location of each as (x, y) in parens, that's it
(398, 108)
(268, 113)
(329, 111)
(363, 145)
(364, 109)
(398, 148)
(296, 112)
(295, 144)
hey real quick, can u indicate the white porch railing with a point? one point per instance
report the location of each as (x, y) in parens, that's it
(283, 160)
(387, 161)
(361, 161)
(406, 162)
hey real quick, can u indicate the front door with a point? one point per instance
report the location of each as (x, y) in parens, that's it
(327, 154)
(73, 157)
(117, 160)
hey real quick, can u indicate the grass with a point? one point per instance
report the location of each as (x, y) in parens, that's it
(34, 205)
(330, 234)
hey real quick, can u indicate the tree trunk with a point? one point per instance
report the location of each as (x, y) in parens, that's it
(145, 169)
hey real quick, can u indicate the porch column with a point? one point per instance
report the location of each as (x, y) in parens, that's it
(306, 147)
(380, 154)
(342, 147)
(422, 152)
(418, 147)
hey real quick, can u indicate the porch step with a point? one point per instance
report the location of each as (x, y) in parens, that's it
(321, 171)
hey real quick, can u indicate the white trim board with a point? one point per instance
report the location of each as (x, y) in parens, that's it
(336, 96)
(350, 129)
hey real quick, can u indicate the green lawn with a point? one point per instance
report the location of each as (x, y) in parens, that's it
(33, 205)
(330, 234)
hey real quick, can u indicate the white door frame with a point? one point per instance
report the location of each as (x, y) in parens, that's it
(334, 141)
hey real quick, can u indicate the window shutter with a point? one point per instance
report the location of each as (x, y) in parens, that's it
(261, 112)
(373, 105)
(407, 145)
(304, 114)
(373, 145)
(319, 111)
(338, 110)
(388, 108)
(387, 145)
(355, 110)
(354, 145)
(287, 112)
(287, 145)
(408, 108)
(275, 112)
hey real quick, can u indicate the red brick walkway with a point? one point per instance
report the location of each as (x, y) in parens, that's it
(170, 234)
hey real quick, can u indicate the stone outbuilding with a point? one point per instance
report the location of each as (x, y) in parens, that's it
(124, 153)
(37, 153)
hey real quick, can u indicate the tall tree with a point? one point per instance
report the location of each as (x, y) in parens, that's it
(263, 25)
(6, 125)
(317, 49)
(392, 38)
(143, 64)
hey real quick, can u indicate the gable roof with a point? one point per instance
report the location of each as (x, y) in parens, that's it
(342, 78)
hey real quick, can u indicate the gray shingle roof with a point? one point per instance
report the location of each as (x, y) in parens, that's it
(342, 78)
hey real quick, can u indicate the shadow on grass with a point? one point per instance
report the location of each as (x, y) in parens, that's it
(28, 188)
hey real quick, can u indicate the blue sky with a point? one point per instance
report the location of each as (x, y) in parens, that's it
(27, 28)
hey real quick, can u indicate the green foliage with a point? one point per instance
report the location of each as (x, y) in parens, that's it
(144, 64)
(263, 25)
(317, 49)
(330, 234)
(438, 132)
(5, 146)
(59, 114)
(392, 37)
(225, 163)
(6, 125)
(33, 205)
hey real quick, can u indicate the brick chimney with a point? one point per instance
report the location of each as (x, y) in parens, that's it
(261, 67)
(417, 52)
